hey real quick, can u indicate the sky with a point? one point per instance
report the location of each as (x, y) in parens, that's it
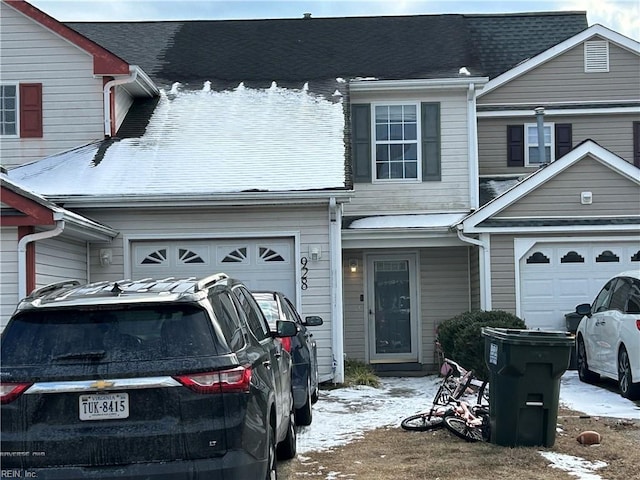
(622, 16)
(343, 414)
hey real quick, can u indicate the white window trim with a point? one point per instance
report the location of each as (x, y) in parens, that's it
(527, 145)
(17, 134)
(374, 177)
(596, 56)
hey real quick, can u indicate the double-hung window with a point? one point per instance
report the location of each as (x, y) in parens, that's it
(532, 148)
(8, 110)
(396, 142)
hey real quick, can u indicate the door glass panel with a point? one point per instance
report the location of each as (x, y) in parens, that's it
(392, 306)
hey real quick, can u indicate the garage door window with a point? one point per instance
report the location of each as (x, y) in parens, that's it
(156, 258)
(538, 257)
(239, 255)
(572, 257)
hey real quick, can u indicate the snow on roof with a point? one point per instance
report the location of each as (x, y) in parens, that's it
(209, 142)
(435, 220)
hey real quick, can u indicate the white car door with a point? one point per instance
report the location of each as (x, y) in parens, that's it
(596, 342)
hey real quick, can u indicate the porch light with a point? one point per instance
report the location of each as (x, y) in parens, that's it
(353, 265)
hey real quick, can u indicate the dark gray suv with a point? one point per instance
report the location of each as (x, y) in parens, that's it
(168, 379)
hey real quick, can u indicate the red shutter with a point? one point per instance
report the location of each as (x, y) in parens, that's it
(31, 110)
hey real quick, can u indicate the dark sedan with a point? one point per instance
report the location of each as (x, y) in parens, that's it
(276, 306)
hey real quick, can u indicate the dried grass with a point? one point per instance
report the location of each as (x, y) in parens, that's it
(392, 454)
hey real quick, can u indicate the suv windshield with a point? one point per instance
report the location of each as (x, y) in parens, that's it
(147, 333)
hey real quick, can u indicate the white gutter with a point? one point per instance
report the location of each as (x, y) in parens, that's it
(107, 96)
(472, 142)
(485, 265)
(337, 323)
(22, 253)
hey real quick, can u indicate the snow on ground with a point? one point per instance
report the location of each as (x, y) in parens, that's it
(344, 414)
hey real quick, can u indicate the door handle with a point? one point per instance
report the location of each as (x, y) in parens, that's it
(266, 364)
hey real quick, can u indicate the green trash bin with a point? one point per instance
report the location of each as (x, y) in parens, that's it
(525, 367)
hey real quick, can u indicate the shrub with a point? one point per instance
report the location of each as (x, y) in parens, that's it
(461, 337)
(359, 373)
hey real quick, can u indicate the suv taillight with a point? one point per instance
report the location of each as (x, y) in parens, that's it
(234, 380)
(10, 391)
(638, 324)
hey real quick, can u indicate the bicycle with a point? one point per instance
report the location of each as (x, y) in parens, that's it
(454, 385)
(471, 423)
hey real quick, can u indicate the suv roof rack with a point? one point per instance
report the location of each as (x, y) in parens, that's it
(210, 280)
(52, 287)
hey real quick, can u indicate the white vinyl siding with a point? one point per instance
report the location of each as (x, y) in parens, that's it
(311, 224)
(72, 98)
(8, 273)
(59, 259)
(451, 193)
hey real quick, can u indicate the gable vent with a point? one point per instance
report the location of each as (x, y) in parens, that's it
(596, 56)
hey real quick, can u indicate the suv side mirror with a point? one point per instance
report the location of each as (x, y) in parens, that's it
(312, 321)
(584, 309)
(286, 328)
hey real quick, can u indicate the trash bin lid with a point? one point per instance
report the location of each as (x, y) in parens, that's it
(529, 337)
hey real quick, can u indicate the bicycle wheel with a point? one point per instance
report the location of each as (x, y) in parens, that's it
(422, 422)
(459, 427)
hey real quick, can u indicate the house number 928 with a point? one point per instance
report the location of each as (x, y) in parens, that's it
(305, 271)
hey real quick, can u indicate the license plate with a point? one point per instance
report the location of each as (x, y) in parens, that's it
(104, 406)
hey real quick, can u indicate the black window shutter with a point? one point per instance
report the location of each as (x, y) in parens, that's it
(361, 142)
(564, 142)
(636, 144)
(431, 162)
(515, 145)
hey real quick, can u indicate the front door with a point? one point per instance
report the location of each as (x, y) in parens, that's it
(393, 303)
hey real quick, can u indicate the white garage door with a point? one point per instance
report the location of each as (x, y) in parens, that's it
(260, 263)
(555, 277)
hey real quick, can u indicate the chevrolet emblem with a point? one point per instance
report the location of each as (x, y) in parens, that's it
(102, 384)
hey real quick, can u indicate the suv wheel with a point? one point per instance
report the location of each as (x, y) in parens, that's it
(584, 373)
(304, 415)
(272, 464)
(625, 381)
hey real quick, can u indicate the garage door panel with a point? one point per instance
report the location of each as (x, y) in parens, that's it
(259, 263)
(555, 277)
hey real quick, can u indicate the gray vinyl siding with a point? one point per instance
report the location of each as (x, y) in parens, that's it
(444, 283)
(612, 131)
(8, 273)
(72, 106)
(503, 290)
(59, 259)
(450, 193)
(613, 194)
(311, 223)
(563, 79)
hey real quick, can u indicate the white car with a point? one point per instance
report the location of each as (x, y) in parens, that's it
(608, 336)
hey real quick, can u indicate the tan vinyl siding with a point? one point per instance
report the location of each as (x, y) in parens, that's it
(444, 283)
(445, 292)
(59, 259)
(311, 223)
(612, 131)
(503, 290)
(8, 273)
(72, 106)
(450, 193)
(563, 79)
(612, 194)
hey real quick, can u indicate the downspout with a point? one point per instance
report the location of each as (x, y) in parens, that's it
(472, 139)
(337, 324)
(485, 266)
(22, 253)
(107, 96)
